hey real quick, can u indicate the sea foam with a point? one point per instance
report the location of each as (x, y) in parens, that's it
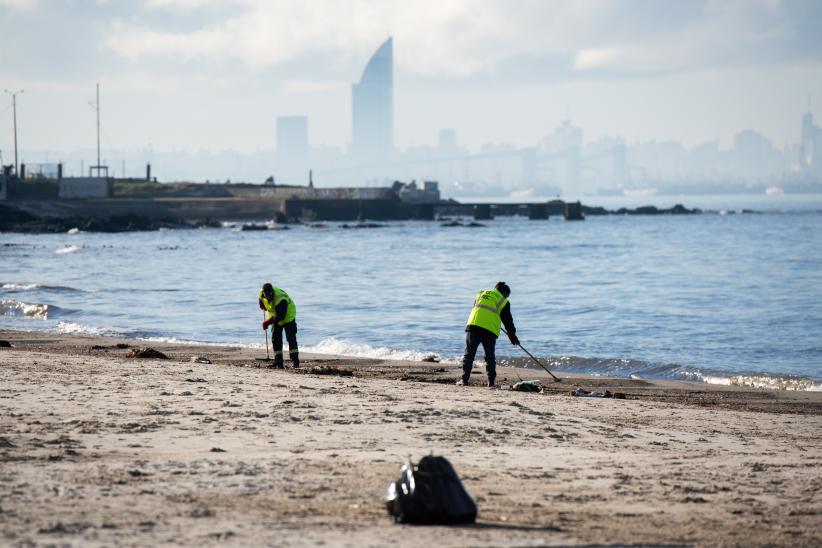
(767, 381)
(68, 249)
(340, 347)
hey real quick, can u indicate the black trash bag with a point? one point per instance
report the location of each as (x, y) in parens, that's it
(430, 493)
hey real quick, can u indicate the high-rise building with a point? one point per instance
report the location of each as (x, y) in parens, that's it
(558, 159)
(810, 148)
(372, 109)
(448, 140)
(292, 149)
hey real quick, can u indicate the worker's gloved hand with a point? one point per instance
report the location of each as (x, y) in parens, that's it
(267, 323)
(514, 340)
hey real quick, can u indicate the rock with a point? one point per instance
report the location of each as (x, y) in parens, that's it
(6, 344)
(217, 450)
(432, 358)
(13, 219)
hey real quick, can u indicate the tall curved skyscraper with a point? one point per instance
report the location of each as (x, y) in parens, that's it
(372, 109)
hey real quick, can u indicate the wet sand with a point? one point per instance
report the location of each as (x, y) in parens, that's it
(97, 448)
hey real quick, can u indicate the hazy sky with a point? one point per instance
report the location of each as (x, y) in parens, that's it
(199, 74)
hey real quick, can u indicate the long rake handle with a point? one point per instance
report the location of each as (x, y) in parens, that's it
(539, 363)
(266, 339)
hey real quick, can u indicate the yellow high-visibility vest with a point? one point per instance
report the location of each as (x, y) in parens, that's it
(487, 307)
(279, 296)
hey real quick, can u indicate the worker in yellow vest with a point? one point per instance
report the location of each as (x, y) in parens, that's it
(282, 316)
(491, 308)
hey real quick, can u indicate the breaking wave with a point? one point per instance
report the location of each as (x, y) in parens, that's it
(767, 381)
(341, 347)
(74, 328)
(638, 369)
(38, 311)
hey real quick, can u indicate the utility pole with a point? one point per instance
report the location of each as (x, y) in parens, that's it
(96, 106)
(98, 128)
(14, 110)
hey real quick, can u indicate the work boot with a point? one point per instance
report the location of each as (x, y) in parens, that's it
(490, 383)
(278, 364)
(462, 383)
(295, 364)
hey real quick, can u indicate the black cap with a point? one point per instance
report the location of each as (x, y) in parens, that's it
(268, 289)
(503, 288)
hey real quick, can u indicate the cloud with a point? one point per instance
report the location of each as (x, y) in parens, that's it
(19, 5)
(453, 39)
(597, 58)
(306, 86)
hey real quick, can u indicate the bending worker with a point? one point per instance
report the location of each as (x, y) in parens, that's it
(282, 316)
(491, 308)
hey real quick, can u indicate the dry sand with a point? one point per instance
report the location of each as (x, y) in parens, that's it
(97, 448)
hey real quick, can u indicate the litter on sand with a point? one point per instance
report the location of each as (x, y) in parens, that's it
(430, 492)
(332, 370)
(527, 386)
(147, 353)
(199, 359)
(580, 393)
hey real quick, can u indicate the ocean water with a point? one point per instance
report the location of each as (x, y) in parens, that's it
(724, 298)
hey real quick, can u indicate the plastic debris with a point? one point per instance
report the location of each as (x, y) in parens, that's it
(332, 370)
(581, 393)
(430, 493)
(147, 353)
(527, 386)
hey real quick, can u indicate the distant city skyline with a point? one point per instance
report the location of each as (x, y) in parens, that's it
(211, 78)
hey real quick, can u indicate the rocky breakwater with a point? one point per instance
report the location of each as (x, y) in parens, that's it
(13, 219)
(678, 209)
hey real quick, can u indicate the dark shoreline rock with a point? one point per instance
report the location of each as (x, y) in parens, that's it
(678, 209)
(13, 219)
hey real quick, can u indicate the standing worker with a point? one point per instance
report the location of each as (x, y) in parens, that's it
(491, 308)
(282, 316)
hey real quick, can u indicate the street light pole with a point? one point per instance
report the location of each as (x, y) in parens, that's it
(14, 115)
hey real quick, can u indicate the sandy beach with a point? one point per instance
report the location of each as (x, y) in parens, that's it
(100, 449)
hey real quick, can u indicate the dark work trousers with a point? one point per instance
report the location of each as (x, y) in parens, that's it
(472, 341)
(277, 342)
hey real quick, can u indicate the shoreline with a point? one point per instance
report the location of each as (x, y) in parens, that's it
(98, 448)
(696, 393)
(750, 380)
(117, 215)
